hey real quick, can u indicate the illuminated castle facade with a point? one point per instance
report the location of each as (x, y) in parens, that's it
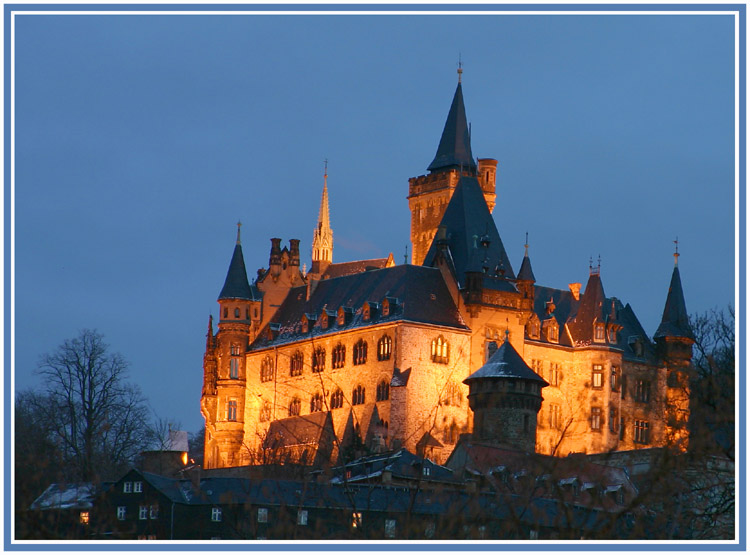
(367, 355)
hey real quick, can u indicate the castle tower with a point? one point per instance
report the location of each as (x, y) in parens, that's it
(222, 404)
(322, 245)
(525, 280)
(505, 395)
(429, 194)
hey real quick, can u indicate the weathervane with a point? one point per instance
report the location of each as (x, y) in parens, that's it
(676, 250)
(239, 225)
(460, 67)
(526, 245)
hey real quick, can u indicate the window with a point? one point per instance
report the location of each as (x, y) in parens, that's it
(425, 471)
(137, 487)
(127, 487)
(234, 365)
(337, 399)
(386, 307)
(294, 406)
(232, 410)
(597, 376)
(537, 366)
(384, 347)
(360, 352)
(216, 514)
(613, 420)
(339, 356)
(266, 370)
(295, 364)
(382, 392)
(439, 351)
(226, 313)
(599, 332)
(555, 417)
(234, 350)
(552, 332)
(390, 528)
(596, 418)
(319, 360)
(302, 517)
(341, 319)
(554, 373)
(642, 391)
(83, 517)
(153, 512)
(356, 520)
(265, 412)
(316, 403)
(489, 349)
(236, 312)
(121, 513)
(142, 512)
(641, 432)
(614, 378)
(532, 328)
(358, 395)
(622, 428)
(613, 335)
(262, 515)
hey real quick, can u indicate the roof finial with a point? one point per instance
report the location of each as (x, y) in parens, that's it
(526, 245)
(599, 264)
(239, 225)
(507, 331)
(325, 172)
(676, 250)
(460, 67)
(406, 254)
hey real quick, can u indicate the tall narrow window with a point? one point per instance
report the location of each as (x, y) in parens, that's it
(597, 376)
(358, 395)
(319, 360)
(339, 356)
(337, 399)
(596, 418)
(316, 403)
(641, 434)
(234, 365)
(294, 406)
(360, 352)
(232, 410)
(382, 391)
(642, 391)
(296, 362)
(599, 332)
(265, 412)
(614, 378)
(554, 373)
(439, 350)
(384, 347)
(555, 417)
(613, 420)
(266, 369)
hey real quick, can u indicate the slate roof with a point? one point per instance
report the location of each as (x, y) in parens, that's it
(467, 221)
(675, 321)
(526, 273)
(591, 307)
(402, 464)
(454, 150)
(421, 292)
(505, 363)
(65, 496)
(236, 285)
(348, 268)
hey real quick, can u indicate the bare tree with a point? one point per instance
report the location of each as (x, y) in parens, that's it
(98, 420)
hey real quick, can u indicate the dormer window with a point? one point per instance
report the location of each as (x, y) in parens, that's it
(552, 330)
(532, 328)
(386, 308)
(598, 332)
(324, 320)
(366, 312)
(341, 319)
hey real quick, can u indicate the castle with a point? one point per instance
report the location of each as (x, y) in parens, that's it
(368, 355)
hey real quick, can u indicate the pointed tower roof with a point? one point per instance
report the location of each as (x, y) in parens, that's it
(468, 225)
(324, 217)
(236, 285)
(592, 307)
(675, 321)
(455, 143)
(506, 363)
(526, 273)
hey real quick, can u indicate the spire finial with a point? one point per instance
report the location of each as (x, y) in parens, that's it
(676, 250)
(406, 254)
(526, 245)
(325, 173)
(599, 264)
(507, 330)
(239, 225)
(460, 67)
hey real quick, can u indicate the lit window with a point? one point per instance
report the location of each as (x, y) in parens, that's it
(337, 399)
(439, 351)
(358, 395)
(360, 352)
(596, 418)
(294, 407)
(234, 350)
(384, 348)
(390, 528)
(599, 332)
(597, 376)
(262, 515)
(127, 487)
(642, 391)
(121, 513)
(386, 307)
(142, 512)
(641, 434)
(356, 520)
(555, 417)
(382, 391)
(153, 512)
(425, 471)
(216, 514)
(234, 368)
(319, 360)
(137, 487)
(339, 356)
(232, 410)
(316, 403)
(302, 517)
(295, 364)
(83, 517)
(266, 370)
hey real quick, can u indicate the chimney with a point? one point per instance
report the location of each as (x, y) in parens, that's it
(294, 252)
(274, 260)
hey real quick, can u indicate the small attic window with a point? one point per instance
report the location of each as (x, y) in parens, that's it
(598, 332)
(341, 319)
(324, 320)
(553, 332)
(613, 334)
(386, 308)
(532, 328)
(366, 312)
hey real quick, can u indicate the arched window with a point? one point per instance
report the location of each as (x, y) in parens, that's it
(316, 403)
(439, 351)
(360, 352)
(294, 406)
(384, 347)
(337, 399)
(452, 395)
(319, 360)
(266, 370)
(383, 391)
(339, 356)
(296, 362)
(265, 412)
(358, 395)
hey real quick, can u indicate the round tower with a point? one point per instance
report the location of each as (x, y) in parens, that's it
(505, 395)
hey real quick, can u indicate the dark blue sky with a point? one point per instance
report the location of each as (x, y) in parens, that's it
(141, 140)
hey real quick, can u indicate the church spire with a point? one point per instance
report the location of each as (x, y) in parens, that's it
(322, 246)
(236, 285)
(454, 150)
(674, 320)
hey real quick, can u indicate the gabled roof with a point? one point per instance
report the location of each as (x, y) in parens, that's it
(65, 496)
(467, 220)
(236, 285)
(454, 150)
(591, 307)
(506, 363)
(340, 269)
(421, 292)
(675, 321)
(402, 464)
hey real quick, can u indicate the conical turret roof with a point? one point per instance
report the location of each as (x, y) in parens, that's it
(506, 363)
(675, 321)
(526, 273)
(236, 285)
(455, 144)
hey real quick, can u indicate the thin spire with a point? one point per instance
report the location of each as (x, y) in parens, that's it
(239, 225)
(460, 67)
(676, 250)
(322, 246)
(526, 245)
(236, 285)
(454, 150)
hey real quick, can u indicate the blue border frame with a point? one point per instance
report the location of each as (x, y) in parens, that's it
(730, 9)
